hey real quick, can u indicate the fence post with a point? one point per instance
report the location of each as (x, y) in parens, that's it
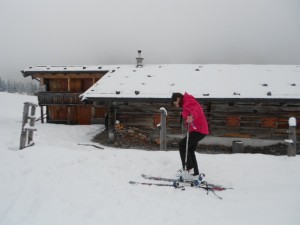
(292, 140)
(163, 129)
(23, 131)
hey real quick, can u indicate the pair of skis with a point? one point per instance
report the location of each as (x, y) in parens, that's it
(180, 184)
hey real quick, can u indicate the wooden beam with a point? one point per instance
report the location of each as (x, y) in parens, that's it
(63, 76)
(69, 84)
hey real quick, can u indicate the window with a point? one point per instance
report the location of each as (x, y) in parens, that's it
(233, 121)
(269, 122)
(156, 119)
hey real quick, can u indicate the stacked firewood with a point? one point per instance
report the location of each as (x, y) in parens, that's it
(132, 137)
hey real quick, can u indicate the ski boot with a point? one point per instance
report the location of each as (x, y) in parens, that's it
(176, 184)
(186, 176)
(198, 181)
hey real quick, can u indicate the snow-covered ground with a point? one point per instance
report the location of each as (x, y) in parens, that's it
(58, 182)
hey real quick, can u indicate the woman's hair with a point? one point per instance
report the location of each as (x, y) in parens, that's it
(174, 98)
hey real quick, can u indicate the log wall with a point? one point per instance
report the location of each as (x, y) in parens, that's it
(250, 119)
(267, 120)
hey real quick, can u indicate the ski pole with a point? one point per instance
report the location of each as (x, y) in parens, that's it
(186, 147)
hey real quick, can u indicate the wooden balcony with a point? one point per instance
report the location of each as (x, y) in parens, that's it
(59, 98)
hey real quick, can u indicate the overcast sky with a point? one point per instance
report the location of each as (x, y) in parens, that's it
(95, 32)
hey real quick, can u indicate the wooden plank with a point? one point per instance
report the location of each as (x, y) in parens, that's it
(64, 76)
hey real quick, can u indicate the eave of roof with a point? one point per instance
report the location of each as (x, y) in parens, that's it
(53, 72)
(33, 70)
(202, 100)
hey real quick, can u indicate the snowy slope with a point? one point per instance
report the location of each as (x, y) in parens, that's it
(59, 182)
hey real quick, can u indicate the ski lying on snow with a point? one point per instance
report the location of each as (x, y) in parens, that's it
(204, 183)
(177, 186)
(93, 145)
(154, 184)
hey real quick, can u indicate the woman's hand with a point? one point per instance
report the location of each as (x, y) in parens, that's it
(189, 119)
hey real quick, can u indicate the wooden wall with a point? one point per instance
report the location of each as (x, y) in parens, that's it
(57, 114)
(226, 119)
(62, 97)
(142, 115)
(250, 119)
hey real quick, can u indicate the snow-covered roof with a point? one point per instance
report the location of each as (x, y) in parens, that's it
(66, 69)
(202, 81)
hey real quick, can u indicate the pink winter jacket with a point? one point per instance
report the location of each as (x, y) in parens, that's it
(191, 106)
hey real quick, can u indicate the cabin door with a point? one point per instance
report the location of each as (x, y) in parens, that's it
(84, 115)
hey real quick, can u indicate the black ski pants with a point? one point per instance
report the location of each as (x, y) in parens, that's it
(194, 138)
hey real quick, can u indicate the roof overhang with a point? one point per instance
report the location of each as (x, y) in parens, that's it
(202, 100)
(66, 72)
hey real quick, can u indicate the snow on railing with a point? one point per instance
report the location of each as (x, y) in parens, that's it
(163, 129)
(292, 139)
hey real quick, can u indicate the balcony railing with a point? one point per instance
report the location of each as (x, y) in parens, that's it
(59, 98)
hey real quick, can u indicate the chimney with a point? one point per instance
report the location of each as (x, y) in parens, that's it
(139, 59)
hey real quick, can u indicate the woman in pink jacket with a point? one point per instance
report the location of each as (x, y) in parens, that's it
(193, 115)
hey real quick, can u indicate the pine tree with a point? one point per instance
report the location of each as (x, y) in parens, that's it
(18, 87)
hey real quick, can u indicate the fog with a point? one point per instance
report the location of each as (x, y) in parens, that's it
(95, 32)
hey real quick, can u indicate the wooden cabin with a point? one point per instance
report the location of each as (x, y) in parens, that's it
(61, 87)
(240, 101)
